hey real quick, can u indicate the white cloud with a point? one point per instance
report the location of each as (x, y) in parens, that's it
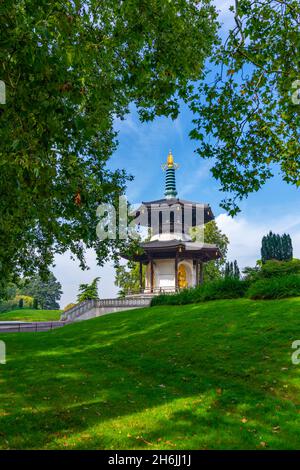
(245, 235)
(70, 275)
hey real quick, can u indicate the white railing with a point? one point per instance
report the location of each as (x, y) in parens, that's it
(83, 307)
(154, 291)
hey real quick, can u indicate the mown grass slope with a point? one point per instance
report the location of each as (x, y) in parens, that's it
(216, 375)
(29, 314)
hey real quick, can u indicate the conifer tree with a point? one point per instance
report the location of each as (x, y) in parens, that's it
(236, 270)
(88, 291)
(232, 270)
(276, 247)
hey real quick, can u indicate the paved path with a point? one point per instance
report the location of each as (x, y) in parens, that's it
(19, 326)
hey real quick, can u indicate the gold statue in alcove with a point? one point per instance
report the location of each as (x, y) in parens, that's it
(182, 282)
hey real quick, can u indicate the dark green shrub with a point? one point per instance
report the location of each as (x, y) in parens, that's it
(21, 303)
(274, 268)
(8, 305)
(275, 288)
(228, 288)
(35, 303)
(181, 298)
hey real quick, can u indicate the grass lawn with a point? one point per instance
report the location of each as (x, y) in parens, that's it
(29, 314)
(216, 375)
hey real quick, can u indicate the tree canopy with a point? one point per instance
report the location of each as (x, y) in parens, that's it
(247, 111)
(70, 69)
(88, 291)
(276, 247)
(46, 292)
(212, 234)
(128, 278)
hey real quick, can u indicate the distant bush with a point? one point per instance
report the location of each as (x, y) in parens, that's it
(16, 302)
(67, 307)
(252, 274)
(271, 268)
(228, 288)
(275, 288)
(8, 305)
(27, 300)
(274, 268)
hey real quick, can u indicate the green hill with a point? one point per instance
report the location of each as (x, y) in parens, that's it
(29, 314)
(216, 375)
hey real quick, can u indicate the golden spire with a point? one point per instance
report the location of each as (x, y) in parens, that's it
(169, 167)
(169, 163)
(170, 160)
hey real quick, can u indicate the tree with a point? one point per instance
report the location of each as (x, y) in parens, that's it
(287, 247)
(71, 69)
(8, 291)
(276, 247)
(248, 113)
(128, 278)
(25, 299)
(251, 274)
(232, 270)
(88, 291)
(212, 234)
(46, 292)
(128, 275)
(236, 270)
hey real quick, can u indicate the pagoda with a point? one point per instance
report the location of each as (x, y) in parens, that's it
(173, 261)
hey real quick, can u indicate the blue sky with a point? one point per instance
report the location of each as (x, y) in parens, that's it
(141, 151)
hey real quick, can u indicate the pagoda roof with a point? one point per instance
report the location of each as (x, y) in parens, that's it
(168, 249)
(172, 201)
(156, 205)
(177, 243)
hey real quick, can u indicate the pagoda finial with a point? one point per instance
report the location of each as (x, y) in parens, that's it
(169, 167)
(170, 160)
